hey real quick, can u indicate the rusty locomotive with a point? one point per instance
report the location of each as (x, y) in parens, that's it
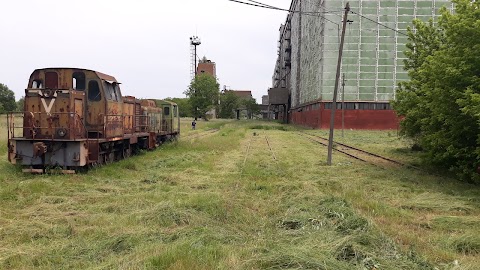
(76, 118)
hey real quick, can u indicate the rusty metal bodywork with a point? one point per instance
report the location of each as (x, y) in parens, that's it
(170, 117)
(153, 116)
(77, 117)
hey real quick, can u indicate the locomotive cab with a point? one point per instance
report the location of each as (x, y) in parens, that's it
(53, 108)
(64, 103)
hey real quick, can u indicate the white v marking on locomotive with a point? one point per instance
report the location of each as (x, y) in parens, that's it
(49, 107)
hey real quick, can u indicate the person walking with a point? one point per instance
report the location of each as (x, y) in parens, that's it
(194, 124)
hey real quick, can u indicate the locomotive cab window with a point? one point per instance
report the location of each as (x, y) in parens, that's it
(175, 111)
(166, 110)
(78, 81)
(94, 93)
(37, 84)
(51, 80)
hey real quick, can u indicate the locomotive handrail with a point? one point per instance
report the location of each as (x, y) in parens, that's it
(142, 125)
(133, 116)
(109, 118)
(33, 129)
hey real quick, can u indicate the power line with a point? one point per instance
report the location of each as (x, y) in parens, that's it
(261, 4)
(381, 24)
(257, 4)
(311, 13)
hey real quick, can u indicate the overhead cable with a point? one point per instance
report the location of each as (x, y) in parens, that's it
(366, 18)
(258, 4)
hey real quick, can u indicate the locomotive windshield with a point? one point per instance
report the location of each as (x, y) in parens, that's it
(112, 91)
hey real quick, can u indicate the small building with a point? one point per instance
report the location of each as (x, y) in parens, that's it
(242, 94)
(207, 66)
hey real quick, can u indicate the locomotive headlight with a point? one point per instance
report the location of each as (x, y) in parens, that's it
(61, 132)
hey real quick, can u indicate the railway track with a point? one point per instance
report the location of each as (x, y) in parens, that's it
(358, 154)
(254, 139)
(199, 134)
(270, 147)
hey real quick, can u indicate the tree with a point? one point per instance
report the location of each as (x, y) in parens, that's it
(184, 106)
(20, 104)
(251, 106)
(440, 105)
(7, 99)
(203, 93)
(228, 104)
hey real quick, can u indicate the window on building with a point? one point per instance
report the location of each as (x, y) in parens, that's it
(382, 106)
(78, 80)
(349, 106)
(94, 93)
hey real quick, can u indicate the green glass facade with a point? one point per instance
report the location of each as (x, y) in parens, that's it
(373, 54)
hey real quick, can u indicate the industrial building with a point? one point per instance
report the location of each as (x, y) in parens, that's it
(372, 64)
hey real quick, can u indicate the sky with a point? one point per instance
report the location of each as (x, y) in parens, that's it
(144, 44)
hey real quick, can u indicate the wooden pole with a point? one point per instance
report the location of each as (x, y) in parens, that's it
(335, 91)
(343, 104)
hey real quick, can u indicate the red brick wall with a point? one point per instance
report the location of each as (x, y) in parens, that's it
(354, 119)
(206, 68)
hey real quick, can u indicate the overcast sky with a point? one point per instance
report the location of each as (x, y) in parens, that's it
(143, 43)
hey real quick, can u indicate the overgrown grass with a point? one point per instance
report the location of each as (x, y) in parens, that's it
(209, 203)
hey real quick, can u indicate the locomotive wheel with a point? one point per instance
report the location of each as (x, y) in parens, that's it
(106, 159)
(109, 158)
(94, 165)
(127, 153)
(101, 161)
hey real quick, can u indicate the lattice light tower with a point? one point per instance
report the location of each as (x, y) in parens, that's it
(194, 42)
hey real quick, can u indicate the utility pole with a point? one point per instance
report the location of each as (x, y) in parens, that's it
(343, 103)
(335, 91)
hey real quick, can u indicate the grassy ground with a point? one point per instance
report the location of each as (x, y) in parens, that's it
(222, 202)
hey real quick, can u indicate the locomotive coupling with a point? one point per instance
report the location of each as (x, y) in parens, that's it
(39, 149)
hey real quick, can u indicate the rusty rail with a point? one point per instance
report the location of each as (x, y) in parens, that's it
(270, 147)
(324, 142)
